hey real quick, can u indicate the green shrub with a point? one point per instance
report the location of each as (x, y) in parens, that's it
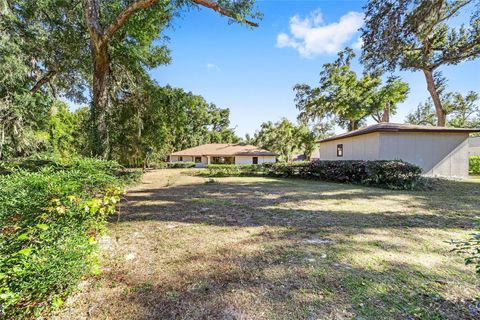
(50, 214)
(171, 165)
(392, 174)
(225, 170)
(474, 165)
(389, 174)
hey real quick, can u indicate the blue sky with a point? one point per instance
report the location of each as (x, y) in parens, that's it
(252, 71)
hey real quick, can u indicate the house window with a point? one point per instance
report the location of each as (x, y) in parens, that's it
(180, 158)
(255, 160)
(339, 150)
(198, 159)
(223, 160)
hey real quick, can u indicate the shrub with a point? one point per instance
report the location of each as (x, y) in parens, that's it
(50, 214)
(169, 165)
(224, 170)
(390, 174)
(474, 165)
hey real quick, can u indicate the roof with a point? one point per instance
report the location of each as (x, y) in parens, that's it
(474, 142)
(399, 127)
(220, 149)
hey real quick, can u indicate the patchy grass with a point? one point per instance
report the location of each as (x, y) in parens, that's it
(262, 248)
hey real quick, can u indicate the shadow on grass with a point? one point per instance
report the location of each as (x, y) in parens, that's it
(291, 278)
(286, 203)
(285, 282)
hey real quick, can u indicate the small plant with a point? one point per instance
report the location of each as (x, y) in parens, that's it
(474, 165)
(470, 249)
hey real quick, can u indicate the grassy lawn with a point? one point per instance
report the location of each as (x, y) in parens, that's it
(188, 247)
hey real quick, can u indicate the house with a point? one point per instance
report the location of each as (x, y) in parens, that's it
(474, 146)
(439, 151)
(217, 153)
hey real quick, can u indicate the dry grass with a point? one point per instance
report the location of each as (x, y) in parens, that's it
(187, 247)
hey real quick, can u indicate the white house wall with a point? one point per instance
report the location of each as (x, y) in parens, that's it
(238, 159)
(364, 147)
(249, 159)
(439, 154)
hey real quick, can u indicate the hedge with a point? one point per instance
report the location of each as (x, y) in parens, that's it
(388, 174)
(50, 214)
(474, 165)
(172, 165)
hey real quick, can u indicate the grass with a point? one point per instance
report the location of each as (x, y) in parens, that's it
(262, 248)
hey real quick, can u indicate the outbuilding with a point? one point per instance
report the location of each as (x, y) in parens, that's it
(439, 151)
(219, 153)
(474, 146)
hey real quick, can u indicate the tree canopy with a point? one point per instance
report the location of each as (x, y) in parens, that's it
(94, 51)
(419, 35)
(349, 99)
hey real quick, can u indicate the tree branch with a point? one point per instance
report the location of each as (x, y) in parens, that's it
(145, 4)
(216, 7)
(125, 14)
(46, 78)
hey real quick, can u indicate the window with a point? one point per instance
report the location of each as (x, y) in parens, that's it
(339, 150)
(198, 159)
(255, 160)
(180, 158)
(223, 160)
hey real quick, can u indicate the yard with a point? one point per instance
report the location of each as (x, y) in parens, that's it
(188, 247)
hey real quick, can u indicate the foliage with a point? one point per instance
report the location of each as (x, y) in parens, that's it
(50, 213)
(286, 139)
(153, 121)
(470, 249)
(419, 35)
(97, 49)
(347, 98)
(391, 174)
(226, 170)
(461, 111)
(173, 165)
(474, 165)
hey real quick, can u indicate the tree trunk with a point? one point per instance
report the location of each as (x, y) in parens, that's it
(386, 113)
(100, 137)
(353, 125)
(441, 116)
(2, 140)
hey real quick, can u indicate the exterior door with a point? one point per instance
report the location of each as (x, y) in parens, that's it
(255, 160)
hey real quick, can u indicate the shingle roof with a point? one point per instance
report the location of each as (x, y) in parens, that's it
(220, 149)
(398, 127)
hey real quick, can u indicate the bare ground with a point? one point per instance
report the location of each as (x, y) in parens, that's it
(187, 247)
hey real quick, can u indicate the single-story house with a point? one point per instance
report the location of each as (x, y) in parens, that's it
(474, 146)
(218, 153)
(439, 151)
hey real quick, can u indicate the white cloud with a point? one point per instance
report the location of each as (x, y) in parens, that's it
(311, 36)
(358, 44)
(213, 66)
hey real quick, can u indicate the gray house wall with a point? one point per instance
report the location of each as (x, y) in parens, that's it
(364, 147)
(438, 154)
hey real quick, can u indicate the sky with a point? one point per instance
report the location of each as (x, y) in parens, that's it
(252, 71)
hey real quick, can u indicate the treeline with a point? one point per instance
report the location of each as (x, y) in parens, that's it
(98, 54)
(147, 125)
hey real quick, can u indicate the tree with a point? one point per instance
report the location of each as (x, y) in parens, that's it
(461, 111)
(287, 139)
(347, 98)
(416, 35)
(153, 121)
(102, 43)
